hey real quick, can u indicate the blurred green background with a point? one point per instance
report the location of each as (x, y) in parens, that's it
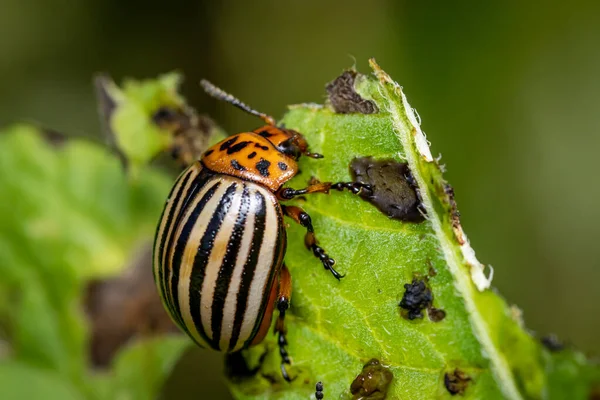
(507, 93)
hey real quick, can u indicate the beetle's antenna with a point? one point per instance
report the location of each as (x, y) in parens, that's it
(220, 94)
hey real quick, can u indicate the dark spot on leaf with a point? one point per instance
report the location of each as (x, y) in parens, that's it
(282, 166)
(228, 143)
(343, 97)
(552, 343)
(392, 190)
(236, 165)
(416, 298)
(263, 167)
(436, 314)
(209, 152)
(372, 383)
(456, 382)
(237, 147)
(260, 146)
(252, 155)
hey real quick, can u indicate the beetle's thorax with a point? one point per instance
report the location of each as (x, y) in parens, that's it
(252, 157)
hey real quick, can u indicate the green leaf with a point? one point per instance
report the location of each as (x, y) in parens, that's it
(69, 214)
(128, 112)
(139, 371)
(19, 381)
(335, 328)
(145, 118)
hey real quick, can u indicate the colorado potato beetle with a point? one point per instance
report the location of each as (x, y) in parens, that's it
(220, 243)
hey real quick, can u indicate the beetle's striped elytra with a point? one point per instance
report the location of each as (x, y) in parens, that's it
(221, 240)
(217, 243)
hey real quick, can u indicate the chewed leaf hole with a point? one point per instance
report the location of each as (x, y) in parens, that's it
(392, 188)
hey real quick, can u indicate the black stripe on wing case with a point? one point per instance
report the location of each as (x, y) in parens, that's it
(227, 267)
(202, 256)
(174, 223)
(260, 213)
(162, 250)
(182, 241)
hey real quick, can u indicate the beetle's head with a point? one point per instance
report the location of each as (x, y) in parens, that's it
(288, 141)
(294, 145)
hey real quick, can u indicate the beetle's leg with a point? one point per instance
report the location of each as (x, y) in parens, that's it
(310, 240)
(283, 303)
(315, 186)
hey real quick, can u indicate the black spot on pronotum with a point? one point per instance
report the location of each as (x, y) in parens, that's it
(236, 165)
(252, 155)
(263, 167)
(228, 143)
(456, 381)
(265, 134)
(237, 147)
(552, 343)
(282, 166)
(392, 188)
(343, 96)
(373, 382)
(417, 297)
(209, 152)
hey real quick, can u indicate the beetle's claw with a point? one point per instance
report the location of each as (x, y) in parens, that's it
(336, 274)
(328, 264)
(285, 374)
